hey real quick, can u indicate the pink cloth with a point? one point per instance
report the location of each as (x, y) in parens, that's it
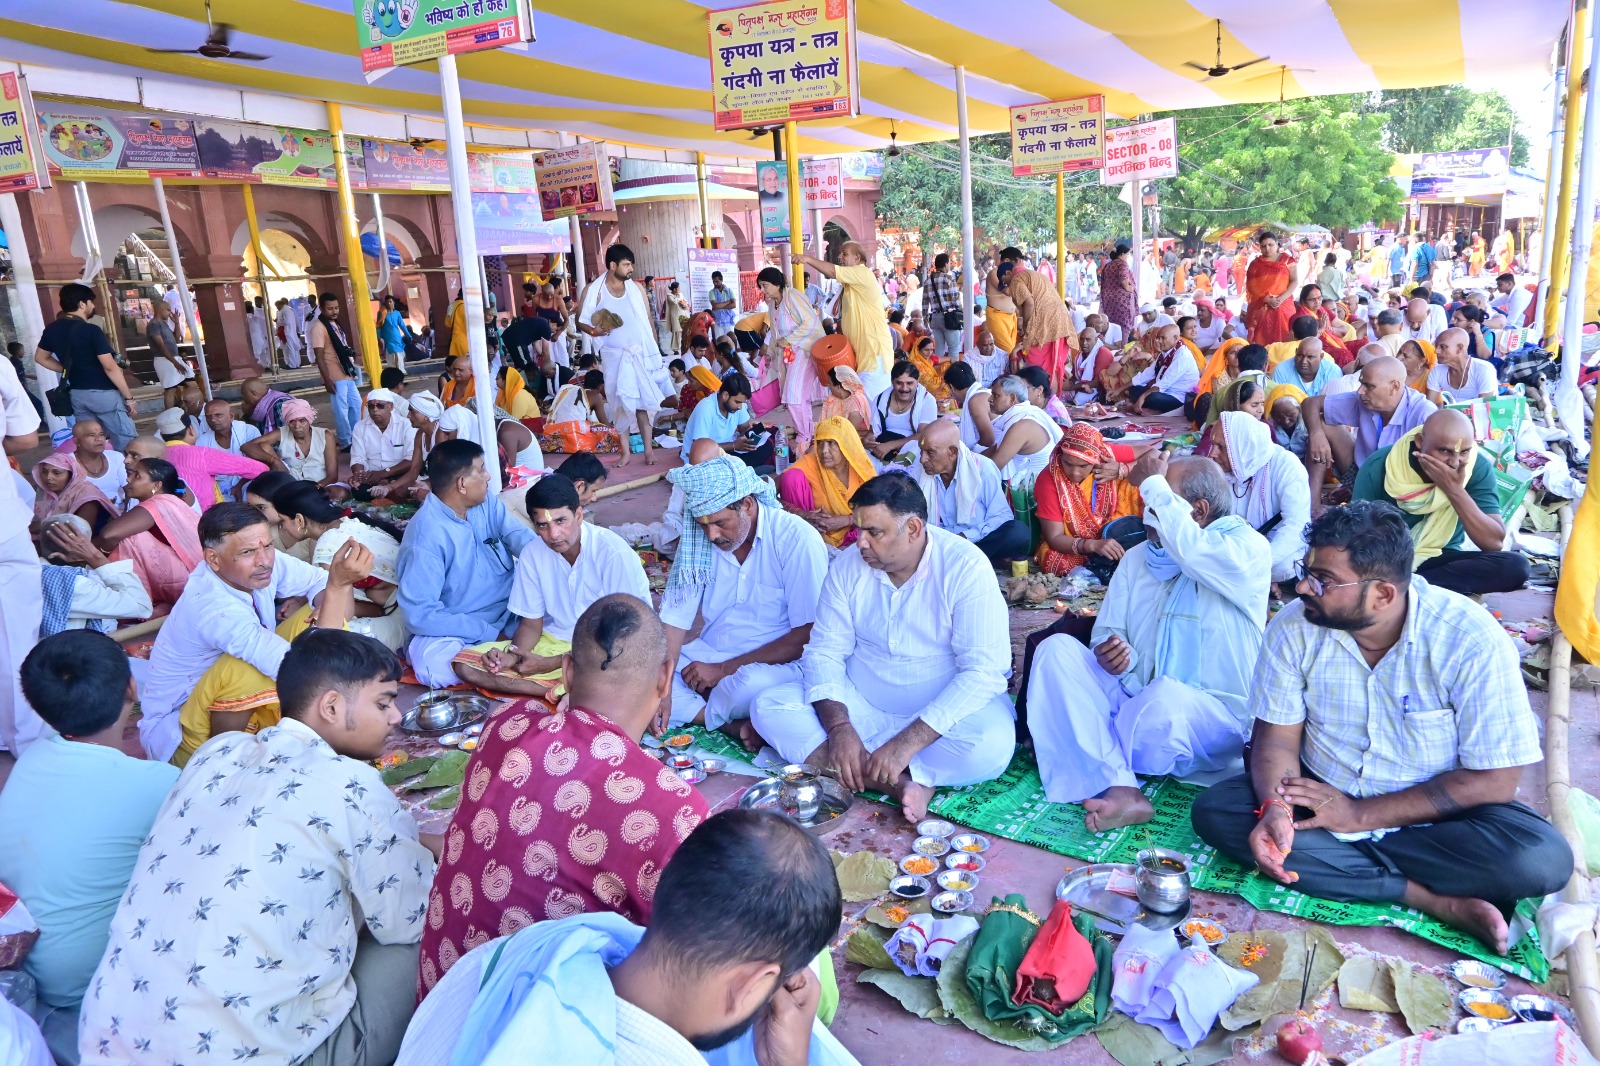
(165, 556)
(765, 399)
(794, 489)
(198, 466)
(78, 491)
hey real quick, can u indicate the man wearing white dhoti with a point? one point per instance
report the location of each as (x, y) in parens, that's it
(1162, 688)
(904, 680)
(752, 572)
(629, 357)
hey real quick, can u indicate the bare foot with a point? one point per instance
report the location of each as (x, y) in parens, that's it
(914, 799)
(1476, 916)
(1116, 807)
(744, 731)
(650, 459)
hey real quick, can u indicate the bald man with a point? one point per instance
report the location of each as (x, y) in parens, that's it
(1437, 469)
(1350, 380)
(223, 432)
(1310, 370)
(105, 466)
(965, 496)
(1381, 411)
(1458, 377)
(1423, 321)
(580, 818)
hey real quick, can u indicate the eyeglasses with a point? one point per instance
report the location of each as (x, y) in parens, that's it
(1315, 585)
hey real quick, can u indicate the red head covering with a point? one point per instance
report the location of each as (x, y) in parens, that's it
(1084, 443)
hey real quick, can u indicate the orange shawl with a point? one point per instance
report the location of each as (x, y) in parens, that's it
(1266, 277)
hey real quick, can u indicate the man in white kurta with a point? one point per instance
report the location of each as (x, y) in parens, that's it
(904, 680)
(752, 572)
(1163, 686)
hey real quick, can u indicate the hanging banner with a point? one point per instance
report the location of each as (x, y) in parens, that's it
(772, 191)
(1141, 152)
(399, 165)
(106, 144)
(574, 181)
(863, 165)
(1058, 137)
(782, 60)
(1446, 175)
(272, 155)
(822, 184)
(22, 166)
(510, 224)
(508, 171)
(702, 262)
(396, 33)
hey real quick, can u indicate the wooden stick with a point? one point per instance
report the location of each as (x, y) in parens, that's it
(612, 490)
(139, 630)
(1583, 968)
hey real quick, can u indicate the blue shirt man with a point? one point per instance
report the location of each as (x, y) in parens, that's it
(1422, 256)
(722, 317)
(456, 563)
(719, 417)
(1397, 258)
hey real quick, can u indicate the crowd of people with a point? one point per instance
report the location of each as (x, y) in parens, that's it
(1298, 581)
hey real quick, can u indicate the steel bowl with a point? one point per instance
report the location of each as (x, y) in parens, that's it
(681, 762)
(445, 712)
(970, 843)
(933, 847)
(678, 741)
(452, 740)
(907, 865)
(951, 902)
(960, 860)
(692, 774)
(910, 886)
(1161, 880)
(1532, 1008)
(1476, 1025)
(795, 773)
(957, 880)
(1475, 974)
(1485, 997)
(713, 765)
(935, 827)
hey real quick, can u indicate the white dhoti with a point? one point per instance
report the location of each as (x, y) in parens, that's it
(1090, 735)
(978, 748)
(20, 610)
(733, 695)
(430, 660)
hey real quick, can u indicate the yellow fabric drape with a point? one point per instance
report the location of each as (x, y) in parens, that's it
(830, 495)
(1416, 496)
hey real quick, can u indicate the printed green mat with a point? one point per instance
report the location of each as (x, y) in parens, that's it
(1013, 806)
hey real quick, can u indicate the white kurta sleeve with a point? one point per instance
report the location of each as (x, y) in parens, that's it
(111, 591)
(1293, 494)
(1228, 565)
(980, 638)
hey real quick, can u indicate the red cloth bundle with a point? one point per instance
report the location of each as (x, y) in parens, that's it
(1056, 971)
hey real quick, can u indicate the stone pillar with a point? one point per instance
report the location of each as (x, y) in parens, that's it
(220, 308)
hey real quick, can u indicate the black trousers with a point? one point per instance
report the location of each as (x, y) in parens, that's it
(1160, 402)
(1010, 541)
(1475, 573)
(1079, 628)
(1501, 852)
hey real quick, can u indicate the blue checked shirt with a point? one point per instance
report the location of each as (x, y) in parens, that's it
(1449, 695)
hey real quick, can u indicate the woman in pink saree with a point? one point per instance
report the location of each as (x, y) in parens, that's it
(159, 534)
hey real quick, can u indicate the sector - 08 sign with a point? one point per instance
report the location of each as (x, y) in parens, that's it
(1141, 152)
(1058, 136)
(783, 60)
(821, 184)
(395, 33)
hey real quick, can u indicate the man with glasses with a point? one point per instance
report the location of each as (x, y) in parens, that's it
(1392, 730)
(1445, 487)
(1162, 686)
(456, 564)
(1381, 411)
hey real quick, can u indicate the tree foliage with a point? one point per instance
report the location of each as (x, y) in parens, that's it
(1447, 118)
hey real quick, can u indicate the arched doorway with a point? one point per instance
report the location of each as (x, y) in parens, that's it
(833, 236)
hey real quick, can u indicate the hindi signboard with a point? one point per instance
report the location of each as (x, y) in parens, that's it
(702, 262)
(272, 155)
(21, 162)
(404, 166)
(504, 171)
(90, 143)
(510, 224)
(822, 184)
(1141, 152)
(783, 60)
(1446, 175)
(1058, 137)
(574, 181)
(395, 33)
(772, 194)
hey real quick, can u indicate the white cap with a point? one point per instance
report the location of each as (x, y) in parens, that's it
(170, 421)
(1148, 308)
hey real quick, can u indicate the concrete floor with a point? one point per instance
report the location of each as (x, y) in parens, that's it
(880, 1033)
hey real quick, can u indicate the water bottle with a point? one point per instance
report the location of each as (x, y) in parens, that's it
(780, 452)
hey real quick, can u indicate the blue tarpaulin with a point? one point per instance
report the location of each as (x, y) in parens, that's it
(369, 245)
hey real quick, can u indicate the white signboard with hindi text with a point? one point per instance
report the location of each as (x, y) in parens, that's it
(702, 262)
(822, 184)
(1141, 152)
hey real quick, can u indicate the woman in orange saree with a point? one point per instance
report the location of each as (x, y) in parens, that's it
(1478, 256)
(1268, 282)
(1329, 330)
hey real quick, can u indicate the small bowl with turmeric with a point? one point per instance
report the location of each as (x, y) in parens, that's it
(1487, 1004)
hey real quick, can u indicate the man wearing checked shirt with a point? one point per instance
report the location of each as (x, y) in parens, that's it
(1392, 729)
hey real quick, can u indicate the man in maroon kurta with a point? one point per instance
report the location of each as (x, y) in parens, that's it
(564, 813)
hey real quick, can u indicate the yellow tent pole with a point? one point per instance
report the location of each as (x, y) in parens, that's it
(364, 330)
(797, 246)
(1061, 236)
(705, 205)
(255, 241)
(1562, 237)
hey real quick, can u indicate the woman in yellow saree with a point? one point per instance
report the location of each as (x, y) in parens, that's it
(818, 487)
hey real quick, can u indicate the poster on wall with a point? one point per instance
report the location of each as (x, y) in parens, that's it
(510, 224)
(702, 263)
(400, 165)
(822, 184)
(574, 181)
(22, 166)
(783, 60)
(508, 171)
(1446, 175)
(272, 155)
(1141, 152)
(772, 193)
(395, 33)
(107, 144)
(1058, 136)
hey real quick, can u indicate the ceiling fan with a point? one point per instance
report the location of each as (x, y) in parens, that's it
(216, 44)
(1282, 119)
(1219, 69)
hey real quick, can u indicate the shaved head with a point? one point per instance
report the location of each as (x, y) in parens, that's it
(1447, 439)
(1451, 346)
(618, 665)
(146, 448)
(703, 449)
(1369, 352)
(1446, 426)
(940, 433)
(941, 447)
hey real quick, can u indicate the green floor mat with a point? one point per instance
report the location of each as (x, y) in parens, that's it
(1013, 806)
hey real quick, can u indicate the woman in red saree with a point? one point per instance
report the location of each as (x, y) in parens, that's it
(1329, 329)
(1078, 494)
(1268, 282)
